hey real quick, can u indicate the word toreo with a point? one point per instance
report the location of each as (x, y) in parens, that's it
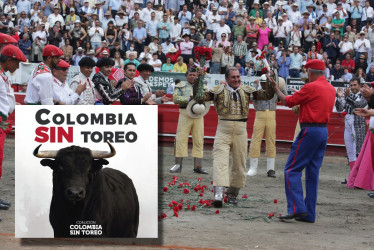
(60, 133)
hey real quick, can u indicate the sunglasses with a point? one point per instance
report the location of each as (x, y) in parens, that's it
(223, 36)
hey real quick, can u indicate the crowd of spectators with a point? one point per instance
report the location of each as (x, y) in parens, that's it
(163, 33)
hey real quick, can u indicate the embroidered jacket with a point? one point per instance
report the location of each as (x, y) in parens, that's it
(106, 93)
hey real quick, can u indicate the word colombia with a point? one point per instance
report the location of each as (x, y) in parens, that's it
(86, 228)
(58, 133)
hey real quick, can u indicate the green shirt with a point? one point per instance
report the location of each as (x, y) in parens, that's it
(253, 13)
(165, 67)
(338, 21)
(238, 31)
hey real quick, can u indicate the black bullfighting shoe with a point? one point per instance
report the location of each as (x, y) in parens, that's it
(4, 202)
(292, 216)
(271, 173)
(4, 207)
(231, 199)
(200, 171)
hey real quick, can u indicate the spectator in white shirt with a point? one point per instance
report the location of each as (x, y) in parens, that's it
(175, 30)
(367, 14)
(220, 29)
(212, 20)
(345, 46)
(361, 46)
(155, 62)
(96, 33)
(145, 14)
(55, 16)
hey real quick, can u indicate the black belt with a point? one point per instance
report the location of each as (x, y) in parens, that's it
(321, 125)
(232, 120)
(295, 69)
(183, 107)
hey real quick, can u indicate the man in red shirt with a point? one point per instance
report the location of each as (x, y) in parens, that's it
(316, 100)
(348, 63)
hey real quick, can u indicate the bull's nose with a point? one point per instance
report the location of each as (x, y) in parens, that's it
(75, 193)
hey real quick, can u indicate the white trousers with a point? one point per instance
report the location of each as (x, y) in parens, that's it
(349, 137)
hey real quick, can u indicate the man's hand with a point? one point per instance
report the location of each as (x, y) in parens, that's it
(364, 112)
(339, 92)
(127, 84)
(150, 102)
(146, 97)
(271, 80)
(80, 88)
(201, 72)
(165, 99)
(159, 93)
(347, 91)
(366, 91)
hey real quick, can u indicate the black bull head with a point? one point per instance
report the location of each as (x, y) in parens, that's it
(73, 168)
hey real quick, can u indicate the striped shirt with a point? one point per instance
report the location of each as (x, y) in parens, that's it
(240, 49)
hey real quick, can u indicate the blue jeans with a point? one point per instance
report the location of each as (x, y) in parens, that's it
(95, 45)
(294, 73)
(215, 68)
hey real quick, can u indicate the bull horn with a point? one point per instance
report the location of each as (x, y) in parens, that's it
(103, 154)
(45, 154)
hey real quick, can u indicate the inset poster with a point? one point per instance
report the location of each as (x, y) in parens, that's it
(86, 171)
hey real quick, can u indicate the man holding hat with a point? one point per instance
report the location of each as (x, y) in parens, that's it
(40, 90)
(231, 101)
(10, 58)
(316, 100)
(86, 65)
(186, 124)
(62, 94)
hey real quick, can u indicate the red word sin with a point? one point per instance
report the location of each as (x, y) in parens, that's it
(45, 134)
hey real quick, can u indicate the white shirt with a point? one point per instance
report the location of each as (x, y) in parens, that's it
(175, 30)
(220, 30)
(345, 46)
(96, 36)
(52, 19)
(294, 16)
(210, 24)
(289, 26)
(88, 95)
(39, 88)
(121, 21)
(280, 29)
(145, 88)
(62, 93)
(166, 48)
(41, 34)
(152, 63)
(367, 13)
(4, 102)
(363, 48)
(145, 14)
(331, 7)
(271, 23)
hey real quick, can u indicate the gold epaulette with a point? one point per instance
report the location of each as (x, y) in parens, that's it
(216, 89)
(181, 85)
(248, 89)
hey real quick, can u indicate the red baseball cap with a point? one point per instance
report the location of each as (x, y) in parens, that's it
(6, 39)
(51, 50)
(63, 64)
(13, 52)
(315, 64)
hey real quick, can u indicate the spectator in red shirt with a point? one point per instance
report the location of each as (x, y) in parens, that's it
(349, 63)
(101, 49)
(316, 100)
